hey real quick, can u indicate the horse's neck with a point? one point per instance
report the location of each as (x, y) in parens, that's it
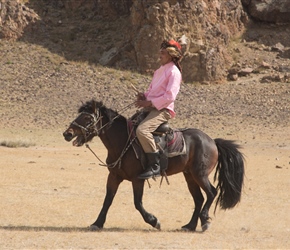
(115, 137)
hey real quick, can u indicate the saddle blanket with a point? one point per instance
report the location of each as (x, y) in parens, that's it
(177, 145)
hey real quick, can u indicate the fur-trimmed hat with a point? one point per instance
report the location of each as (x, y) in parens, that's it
(174, 50)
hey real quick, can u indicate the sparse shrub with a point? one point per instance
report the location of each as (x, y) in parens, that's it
(16, 144)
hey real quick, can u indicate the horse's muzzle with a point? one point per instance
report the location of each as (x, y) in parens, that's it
(68, 135)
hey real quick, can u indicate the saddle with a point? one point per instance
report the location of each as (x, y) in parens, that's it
(169, 142)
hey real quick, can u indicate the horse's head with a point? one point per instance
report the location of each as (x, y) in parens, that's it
(86, 125)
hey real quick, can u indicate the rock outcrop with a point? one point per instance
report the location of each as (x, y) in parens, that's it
(204, 28)
(127, 34)
(274, 11)
(14, 18)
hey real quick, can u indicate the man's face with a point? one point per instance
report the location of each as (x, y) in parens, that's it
(164, 57)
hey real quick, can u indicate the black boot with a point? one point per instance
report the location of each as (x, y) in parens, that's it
(153, 167)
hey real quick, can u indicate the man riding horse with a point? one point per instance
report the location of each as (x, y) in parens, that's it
(158, 100)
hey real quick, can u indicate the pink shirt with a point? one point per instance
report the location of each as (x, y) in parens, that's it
(164, 87)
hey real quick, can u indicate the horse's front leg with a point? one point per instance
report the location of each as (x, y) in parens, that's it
(138, 188)
(113, 183)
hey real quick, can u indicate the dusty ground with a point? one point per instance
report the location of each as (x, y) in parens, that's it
(51, 192)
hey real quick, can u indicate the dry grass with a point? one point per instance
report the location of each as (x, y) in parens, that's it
(16, 144)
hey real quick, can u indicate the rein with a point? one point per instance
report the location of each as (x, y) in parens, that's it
(114, 164)
(117, 116)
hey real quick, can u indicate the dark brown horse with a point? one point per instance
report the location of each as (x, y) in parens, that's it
(202, 156)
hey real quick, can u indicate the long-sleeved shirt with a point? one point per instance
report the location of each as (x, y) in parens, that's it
(164, 87)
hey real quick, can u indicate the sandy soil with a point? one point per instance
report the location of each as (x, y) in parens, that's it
(51, 192)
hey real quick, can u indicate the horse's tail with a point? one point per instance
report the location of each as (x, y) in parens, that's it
(230, 173)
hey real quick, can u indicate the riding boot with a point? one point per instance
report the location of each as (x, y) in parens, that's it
(153, 167)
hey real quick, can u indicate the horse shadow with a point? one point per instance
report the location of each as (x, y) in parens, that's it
(85, 229)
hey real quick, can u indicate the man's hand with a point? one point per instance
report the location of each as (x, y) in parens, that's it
(143, 103)
(140, 96)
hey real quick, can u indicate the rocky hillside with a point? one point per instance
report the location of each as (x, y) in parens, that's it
(126, 34)
(40, 89)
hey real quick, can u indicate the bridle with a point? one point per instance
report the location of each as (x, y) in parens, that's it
(91, 130)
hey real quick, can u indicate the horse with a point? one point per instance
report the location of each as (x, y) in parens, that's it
(202, 156)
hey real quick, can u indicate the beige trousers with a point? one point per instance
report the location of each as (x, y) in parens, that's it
(144, 131)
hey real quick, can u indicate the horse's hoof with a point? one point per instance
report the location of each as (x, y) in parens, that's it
(94, 228)
(187, 229)
(158, 225)
(205, 226)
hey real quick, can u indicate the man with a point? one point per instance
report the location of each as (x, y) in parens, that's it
(159, 101)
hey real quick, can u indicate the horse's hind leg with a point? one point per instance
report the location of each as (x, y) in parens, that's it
(198, 200)
(138, 188)
(211, 192)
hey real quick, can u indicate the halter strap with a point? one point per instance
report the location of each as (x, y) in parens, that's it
(92, 125)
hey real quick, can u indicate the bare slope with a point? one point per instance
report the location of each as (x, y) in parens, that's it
(41, 89)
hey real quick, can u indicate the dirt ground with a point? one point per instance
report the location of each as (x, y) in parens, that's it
(52, 191)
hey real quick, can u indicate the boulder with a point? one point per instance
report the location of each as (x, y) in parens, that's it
(276, 11)
(109, 57)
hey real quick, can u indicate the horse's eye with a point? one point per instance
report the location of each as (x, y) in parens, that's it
(88, 120)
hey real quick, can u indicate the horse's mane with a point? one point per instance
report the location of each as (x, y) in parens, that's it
(91, 106)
